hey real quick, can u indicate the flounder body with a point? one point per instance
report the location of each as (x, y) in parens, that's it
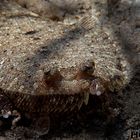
(51, 67)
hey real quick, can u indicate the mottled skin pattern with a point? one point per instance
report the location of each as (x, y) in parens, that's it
(39, 107)
(55, 103)
(52, 67)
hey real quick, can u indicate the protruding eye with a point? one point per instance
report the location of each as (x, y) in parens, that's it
(88, 67)
(52, 77)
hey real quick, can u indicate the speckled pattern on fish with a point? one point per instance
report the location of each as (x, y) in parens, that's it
(61, 60)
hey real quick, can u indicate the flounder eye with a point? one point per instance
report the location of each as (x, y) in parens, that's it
(88, 66)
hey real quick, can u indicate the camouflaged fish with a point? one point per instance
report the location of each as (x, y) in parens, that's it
(49, 67)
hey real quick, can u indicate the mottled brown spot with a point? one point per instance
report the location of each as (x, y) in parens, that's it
(52, 79)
